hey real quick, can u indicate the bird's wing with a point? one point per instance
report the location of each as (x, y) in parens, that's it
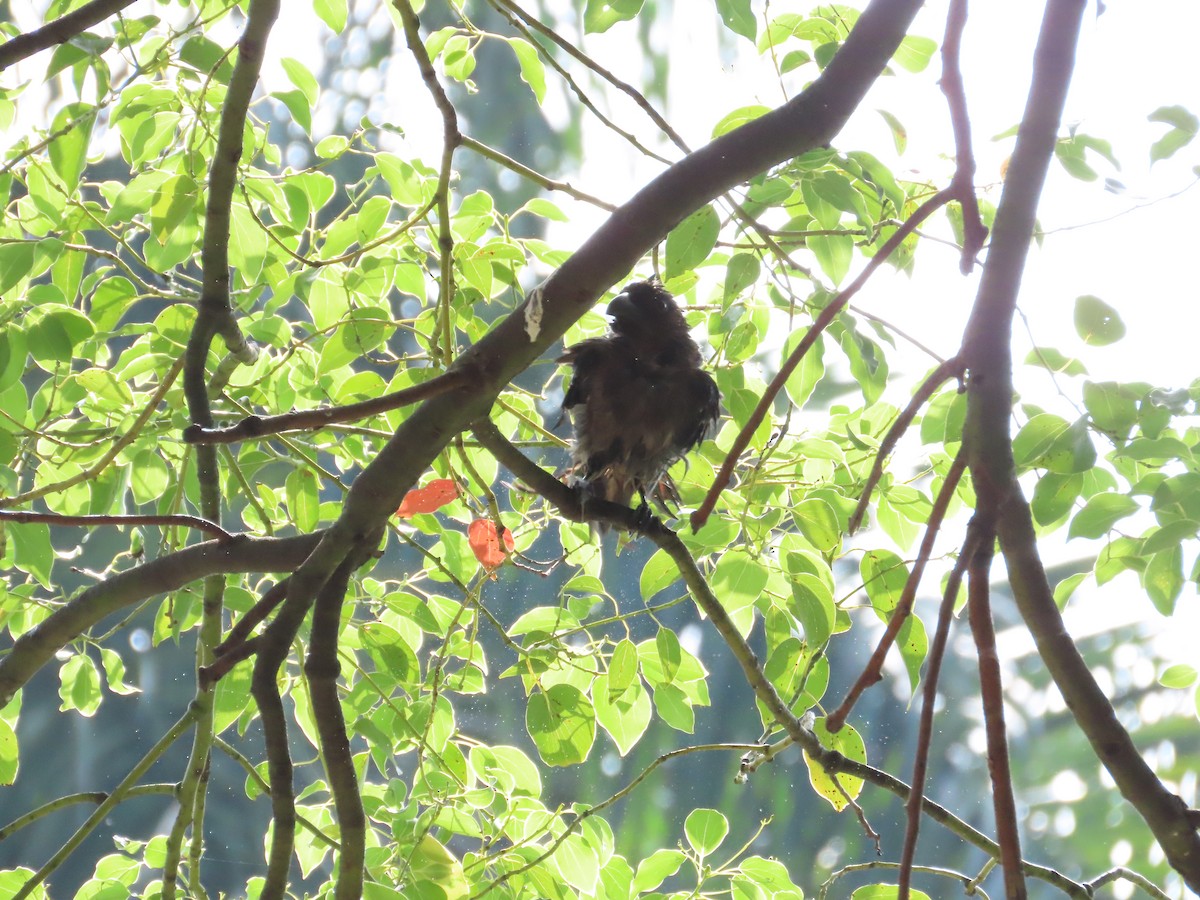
(703, 402)
(583, 358)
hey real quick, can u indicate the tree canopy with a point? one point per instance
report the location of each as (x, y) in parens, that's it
(301, 600)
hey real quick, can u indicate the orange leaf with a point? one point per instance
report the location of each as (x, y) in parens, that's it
(481, 535)
(433, 496)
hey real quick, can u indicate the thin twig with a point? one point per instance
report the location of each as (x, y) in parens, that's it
(991, 691)
(873, 670)
(820, 323)
(933, 669)
(88, 521)
(307, 419)
(951, 368)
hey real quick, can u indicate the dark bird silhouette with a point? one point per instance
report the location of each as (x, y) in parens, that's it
(639, 400)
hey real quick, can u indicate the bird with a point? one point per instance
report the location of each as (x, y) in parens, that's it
(638, 398)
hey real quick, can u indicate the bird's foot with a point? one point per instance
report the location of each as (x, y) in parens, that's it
(643, 519)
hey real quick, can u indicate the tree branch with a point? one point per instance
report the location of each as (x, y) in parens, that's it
(36, 647)
(988, 354)
(59, 31)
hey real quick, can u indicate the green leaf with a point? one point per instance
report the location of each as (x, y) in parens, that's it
(625, 715)
(834, 252)
(738, 118)
(562, 723)
(885, 892)
(433, 863)
(79, 685)
(850, 744)
(533, 72)
(738, 580)
(1097, 322)
(1163, 579)
(1049, 358)
(884, 575)
(114, 672)
(1054, 496)
(675, 707)
(9, 757)
(391, 654)
(333, 13)
(1049, 441)
(68, 150)
(669, 653)
(659, 573)
(32, 550)
(577, 863)
(623, 666)
(298, 105)
(738, 17)
(16, 260)
(301, 77)
(705, 830)
(1178, 676)
(1113, 407)
(690, 242)
(1183, 129)
(1100, 514)
(1065, 588)
(899, 132)
(819, 523)
(814, 607)
(601, 15)
(741, 272)
(656, 868)
(915, 52)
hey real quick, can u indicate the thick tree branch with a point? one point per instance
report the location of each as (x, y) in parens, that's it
(59, 31)
(988, 354)
(322, 668)
(215, 314)
(36, 647)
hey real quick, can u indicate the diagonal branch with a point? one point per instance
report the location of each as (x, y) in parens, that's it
(820, 323)
(170, 572)
(873, 671)
(59, 31)
(951, 368)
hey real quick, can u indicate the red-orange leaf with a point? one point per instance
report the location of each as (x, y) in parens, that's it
(433, 496)
(481, 535)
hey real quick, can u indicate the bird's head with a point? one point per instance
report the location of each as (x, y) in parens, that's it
(646, 310)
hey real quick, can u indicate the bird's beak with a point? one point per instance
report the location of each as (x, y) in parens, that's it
(622, 305)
